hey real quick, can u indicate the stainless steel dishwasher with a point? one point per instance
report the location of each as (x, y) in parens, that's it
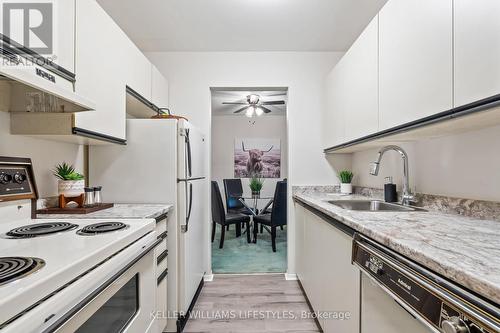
(398, 295)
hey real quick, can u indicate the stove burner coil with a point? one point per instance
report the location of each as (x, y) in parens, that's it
(13, 268)
(100, 228)
(40, 229)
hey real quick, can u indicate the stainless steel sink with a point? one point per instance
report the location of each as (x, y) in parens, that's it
(373, 206)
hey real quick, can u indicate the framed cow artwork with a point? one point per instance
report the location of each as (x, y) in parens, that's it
(260, 157)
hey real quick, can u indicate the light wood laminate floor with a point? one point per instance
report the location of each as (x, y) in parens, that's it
(251, 303)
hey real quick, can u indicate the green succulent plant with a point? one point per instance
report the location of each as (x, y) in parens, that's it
(65, 171)
(256, 183)
(346, 176)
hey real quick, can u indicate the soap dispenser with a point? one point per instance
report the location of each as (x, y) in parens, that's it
(390, 194)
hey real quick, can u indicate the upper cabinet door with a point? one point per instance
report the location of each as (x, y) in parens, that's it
(137, 70)
(361, 84)
(101, 62)
(477, 50)
(159, 88)
(65, 34)
(352, 91)
(334, 122)
(415, 60)
(57, 17)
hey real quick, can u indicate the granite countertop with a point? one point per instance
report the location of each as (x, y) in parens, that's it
(465, 250)
(118, 211)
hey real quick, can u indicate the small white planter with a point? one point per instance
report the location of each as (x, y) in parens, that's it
(345, 188)
(70, 188)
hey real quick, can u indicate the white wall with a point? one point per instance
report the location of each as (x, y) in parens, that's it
(43, 153)
(463, 166)
(226, 128)
(191, 74)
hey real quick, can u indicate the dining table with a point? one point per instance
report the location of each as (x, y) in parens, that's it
(253, 208)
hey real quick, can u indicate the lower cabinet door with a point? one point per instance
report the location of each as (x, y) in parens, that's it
(330, 280)
(161, 307)
(340, 281)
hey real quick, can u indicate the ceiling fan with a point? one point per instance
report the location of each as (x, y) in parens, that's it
(254, 105)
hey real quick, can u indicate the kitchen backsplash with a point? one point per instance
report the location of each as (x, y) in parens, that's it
(479, 209)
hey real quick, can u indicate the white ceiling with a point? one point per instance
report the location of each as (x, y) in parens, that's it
(219, 96)
(242, 25)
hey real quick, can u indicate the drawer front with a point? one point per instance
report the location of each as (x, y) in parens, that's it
(161, 267)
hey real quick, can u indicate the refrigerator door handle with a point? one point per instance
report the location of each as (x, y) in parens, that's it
(188, 154)
(184, 228)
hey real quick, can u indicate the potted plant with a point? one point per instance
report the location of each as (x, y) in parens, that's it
(256, 183)
(71, 183)
(345, 181)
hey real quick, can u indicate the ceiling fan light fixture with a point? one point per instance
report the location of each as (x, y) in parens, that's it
(253, 99)
(250, 112)
(259, 112)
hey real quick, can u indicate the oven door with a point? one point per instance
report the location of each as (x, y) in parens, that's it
(127, 304)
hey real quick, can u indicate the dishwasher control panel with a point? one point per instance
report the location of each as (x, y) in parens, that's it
(431, 307)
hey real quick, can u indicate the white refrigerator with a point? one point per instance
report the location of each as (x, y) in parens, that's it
(163, 162)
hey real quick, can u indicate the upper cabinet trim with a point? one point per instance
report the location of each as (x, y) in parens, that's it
(477, 107)
(10, 47)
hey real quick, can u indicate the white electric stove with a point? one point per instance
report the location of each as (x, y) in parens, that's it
(72, 275)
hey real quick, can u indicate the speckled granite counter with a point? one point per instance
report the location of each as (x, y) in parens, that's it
(465, 250)
(119, 211)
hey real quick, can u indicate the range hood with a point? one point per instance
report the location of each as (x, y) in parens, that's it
(33, 89)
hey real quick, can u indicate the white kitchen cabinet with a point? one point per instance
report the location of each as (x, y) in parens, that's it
(334, 122)
(314, 261)
(342, 276)
(324, 268)
(415, 60)
(64, 48)
(361, 84)
(100, 67)
(63, 33)
(138, 70)
(299, 239)
(352, 91)
(476, 50)
(159, 88)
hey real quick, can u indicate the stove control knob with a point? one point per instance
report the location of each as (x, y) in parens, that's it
(19, 178)
(5, 178)
(454, 325)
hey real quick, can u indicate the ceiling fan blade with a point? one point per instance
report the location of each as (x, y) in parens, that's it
(273, 103)
(235, 103)
(276, 94)
(242, 109)
(266, 110)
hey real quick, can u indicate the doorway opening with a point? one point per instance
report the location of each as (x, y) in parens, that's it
(249, 147)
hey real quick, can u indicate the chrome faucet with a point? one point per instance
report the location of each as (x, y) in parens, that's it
(407, 197)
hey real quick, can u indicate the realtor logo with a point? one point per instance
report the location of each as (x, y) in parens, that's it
(29, 24)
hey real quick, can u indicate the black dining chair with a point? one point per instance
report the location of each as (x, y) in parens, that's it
(268, 208)
(219, 216)
(233, 190)
(278, 216)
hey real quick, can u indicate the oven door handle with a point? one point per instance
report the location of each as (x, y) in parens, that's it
(59, 322)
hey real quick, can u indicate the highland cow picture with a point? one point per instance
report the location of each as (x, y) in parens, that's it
(260, 157)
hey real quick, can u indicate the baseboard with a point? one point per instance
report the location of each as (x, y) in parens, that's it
(182, 320)
(291, 277)
(208, 277)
